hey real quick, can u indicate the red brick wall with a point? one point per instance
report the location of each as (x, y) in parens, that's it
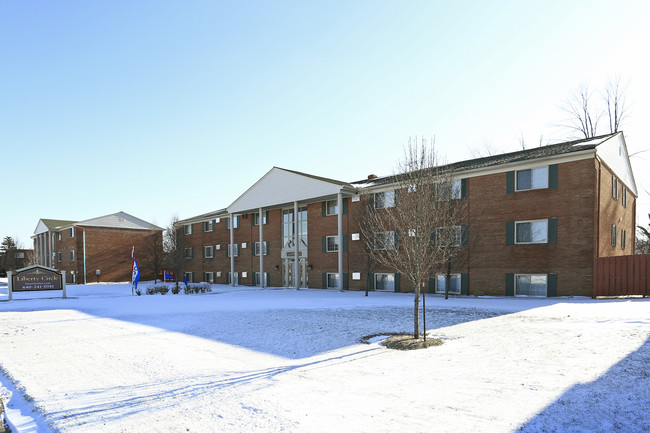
(612, 212)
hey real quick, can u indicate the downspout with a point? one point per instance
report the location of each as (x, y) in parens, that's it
(339, 205)
(594, 285)
(83, 237)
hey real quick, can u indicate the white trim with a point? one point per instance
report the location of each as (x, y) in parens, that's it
(531, 221)
(531, 275)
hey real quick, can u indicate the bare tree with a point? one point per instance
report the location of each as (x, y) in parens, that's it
(643, 239)
(415, 229)
(153, 253)
(174, 248)
(584, 115)
(614, 97)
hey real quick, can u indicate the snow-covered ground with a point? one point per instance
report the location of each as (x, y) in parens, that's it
(245, 360)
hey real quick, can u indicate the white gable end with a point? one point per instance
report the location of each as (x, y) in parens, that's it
(119, 220)
(613, 152)
(41, 228)
(278, 187)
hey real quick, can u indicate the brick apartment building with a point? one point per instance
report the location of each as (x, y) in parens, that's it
(536, 218)
(97, 249)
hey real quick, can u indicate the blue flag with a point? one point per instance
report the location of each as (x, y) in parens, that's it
(185, 279)
(136, 273)
(168, 277)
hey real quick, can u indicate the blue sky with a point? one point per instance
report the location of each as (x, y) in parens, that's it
(162, 108)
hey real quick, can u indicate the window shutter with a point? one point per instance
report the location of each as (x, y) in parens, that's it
(510, 182)
(324, 209)
(324, 239)
(510, 233)
(227, 223)
(324, 280)
(397, 192)
(464, 235)
(552, 176)
(345, 243)
(510, 284)
(371, 281)
(267, 247)
(345, 280)
(463, 189)
(397, 282)
(396, 239)
(464, 284)
(552, 230)
(432, 285)
(236, 250)
(551, 285)
(345, 206)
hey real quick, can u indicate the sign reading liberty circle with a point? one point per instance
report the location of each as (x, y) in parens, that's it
(36, 278)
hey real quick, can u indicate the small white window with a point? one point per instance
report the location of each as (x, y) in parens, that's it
(534, 178)
(187, 229)
(208, 252)
(230, 250)
(614, 230)
(257, 248)
(265, 218)
(58, 236)
(530, 285)
(454, 284)
(623, 238)
(356, 275)
(355, 236)
(385, 241)
(624, 198)
(385, 199)
(531, 232)
(332, 244)
(189, 276)
(331, 207)
(614, 187)
(385, 282)
(208, 226)
(71, 232)
(208, 277)
(332, 280)
(72, 255)
(189, 253)
(59, 257)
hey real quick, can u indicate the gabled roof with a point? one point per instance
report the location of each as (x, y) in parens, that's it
(46, 225)
(121, 220)
(550, 151)
(221, 213)
(280, 186)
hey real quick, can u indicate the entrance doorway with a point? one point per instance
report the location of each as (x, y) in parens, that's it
(288, 271)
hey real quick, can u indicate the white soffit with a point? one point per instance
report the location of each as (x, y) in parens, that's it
(613, 152)
(279, 186)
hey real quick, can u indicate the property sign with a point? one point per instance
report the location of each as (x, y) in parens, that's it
(36, 278)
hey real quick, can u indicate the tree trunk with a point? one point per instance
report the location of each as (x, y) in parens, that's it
(416, 312)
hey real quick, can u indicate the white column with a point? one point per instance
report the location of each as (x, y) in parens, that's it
(296, 249)
(232, 249)
(10, 285)
(339, 206)
(63, 282)
(261, 221)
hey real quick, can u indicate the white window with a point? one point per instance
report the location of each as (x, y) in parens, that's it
(614, 230)
(230, 250)
(332, 280)
(385, 282)
(187, 229)
(614, 187)
(267, 279)
(208, 252)
(454, 284)
(456, 190)
(208, 277)
(448, 236)
(229, 278)
(58, 236)
(533, 178)
(531, 232)
(59, 257)
(208, 226)
(189, 253)
(624, 197)
(332, 244)
(189, 276)
(530, 284)
(72, 255)
(71, 232)
(331, 207)
(384, 199)
(385, 240)
(265, 218)
(257, 248)
(235, 222)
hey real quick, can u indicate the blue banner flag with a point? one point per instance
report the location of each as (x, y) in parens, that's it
(136, 273)
(185, 279)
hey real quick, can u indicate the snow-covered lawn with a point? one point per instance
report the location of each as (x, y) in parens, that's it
(246, 360)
